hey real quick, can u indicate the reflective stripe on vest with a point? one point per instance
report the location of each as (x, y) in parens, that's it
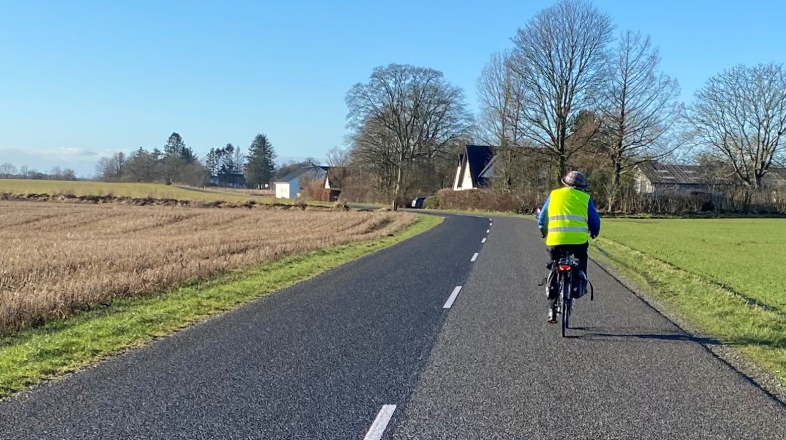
(568, 210)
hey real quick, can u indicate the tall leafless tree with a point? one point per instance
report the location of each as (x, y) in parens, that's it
(741, 113)
(559, 58)
(500, 94)
(638, 107)
(411, 113)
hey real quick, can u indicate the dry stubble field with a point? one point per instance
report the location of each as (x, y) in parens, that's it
(56, 259)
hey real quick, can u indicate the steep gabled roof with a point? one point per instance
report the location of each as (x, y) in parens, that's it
(336, 176)
(488, 170)
(478, 157)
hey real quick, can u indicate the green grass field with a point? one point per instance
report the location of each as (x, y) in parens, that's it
(123, 189)
(726, 276)
(747, 255)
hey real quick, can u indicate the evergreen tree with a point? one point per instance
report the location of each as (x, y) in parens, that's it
(140, 167)
(260, 166)
(227, 163)
(174, 146)
(176, 156)
(212, 161)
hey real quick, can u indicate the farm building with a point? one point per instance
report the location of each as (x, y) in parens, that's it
(291, 185)
(334, 180)
(658, 178)
(232, 180)
(475, 167)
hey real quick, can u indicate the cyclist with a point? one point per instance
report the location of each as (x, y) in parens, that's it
(567, 220)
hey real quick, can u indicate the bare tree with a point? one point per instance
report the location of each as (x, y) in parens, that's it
(741, 113)
(411, 112)
(7, 170)
(638, 107)
(559, 58)
(500, 94)
(111, 168)
(374, 150)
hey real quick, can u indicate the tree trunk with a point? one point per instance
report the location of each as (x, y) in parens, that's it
(614, 188)
(563, 166)
(397, 188)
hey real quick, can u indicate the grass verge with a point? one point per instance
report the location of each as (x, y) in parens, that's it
(755, 330)
(66, 345)
(482, 213)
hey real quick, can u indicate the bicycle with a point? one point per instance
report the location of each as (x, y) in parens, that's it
(566, 269)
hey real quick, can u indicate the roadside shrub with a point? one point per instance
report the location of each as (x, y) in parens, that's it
(431, 202)
(489, 200)
(719, 201)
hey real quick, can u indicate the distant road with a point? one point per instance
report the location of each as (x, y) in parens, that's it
(440, 337)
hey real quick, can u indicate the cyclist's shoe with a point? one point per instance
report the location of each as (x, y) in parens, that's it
(552, 316)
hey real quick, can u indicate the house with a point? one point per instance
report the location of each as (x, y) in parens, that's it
(658, 178)
(232, 180)
(333, 182)
(291, 185)
(775, 179)
(475, 167)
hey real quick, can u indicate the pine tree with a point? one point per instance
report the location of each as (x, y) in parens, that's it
(227, 163)
(260, 165)
(176, 156)
(174, 146)
(212, 160)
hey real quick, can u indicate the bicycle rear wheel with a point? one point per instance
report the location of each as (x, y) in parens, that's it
(565, 305)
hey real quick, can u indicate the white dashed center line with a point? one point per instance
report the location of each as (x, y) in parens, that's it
(474, 257)
(452, 298)
(484, 240)
(380, 423)
(487, 231)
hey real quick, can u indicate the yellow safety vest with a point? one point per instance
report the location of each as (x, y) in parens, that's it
(568, 210)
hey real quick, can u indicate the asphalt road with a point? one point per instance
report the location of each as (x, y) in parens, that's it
(369, 350)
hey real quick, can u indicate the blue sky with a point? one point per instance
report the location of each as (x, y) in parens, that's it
(79, 80)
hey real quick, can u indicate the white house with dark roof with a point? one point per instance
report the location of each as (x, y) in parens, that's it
(475, 167)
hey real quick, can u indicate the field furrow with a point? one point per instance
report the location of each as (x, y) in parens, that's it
(78, 256)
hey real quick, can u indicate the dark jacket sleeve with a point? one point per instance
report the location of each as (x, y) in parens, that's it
(593, 219)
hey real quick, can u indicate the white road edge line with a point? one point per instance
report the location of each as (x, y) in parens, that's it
(474, 257)
(484, 240)
(452, 298)
(380, 423)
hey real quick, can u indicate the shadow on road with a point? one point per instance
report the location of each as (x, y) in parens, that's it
(621, 334)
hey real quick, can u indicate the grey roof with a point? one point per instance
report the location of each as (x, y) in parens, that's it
(674, 174)
(300, 172)
(660, 173)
